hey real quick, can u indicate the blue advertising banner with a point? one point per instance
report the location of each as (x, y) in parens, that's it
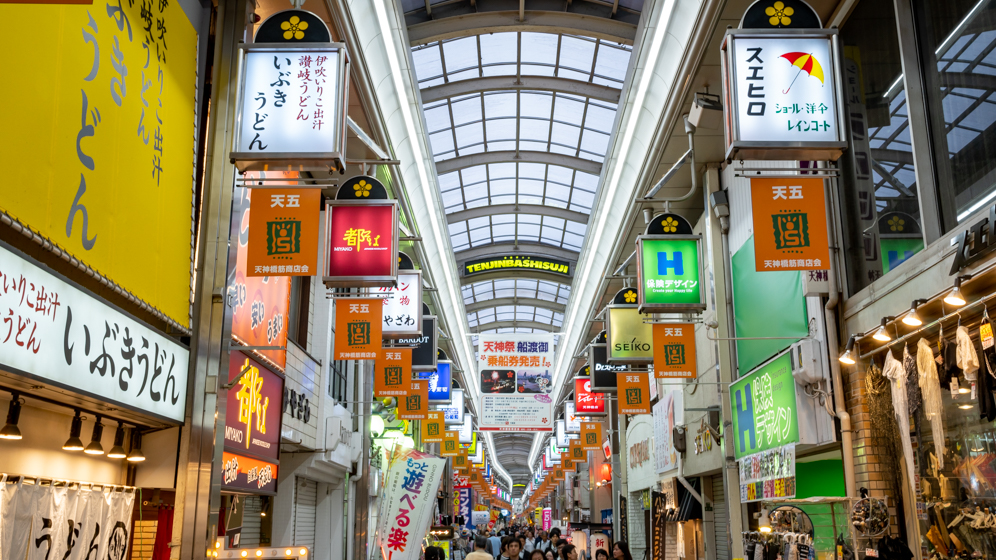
(440, 383)
(463, 507)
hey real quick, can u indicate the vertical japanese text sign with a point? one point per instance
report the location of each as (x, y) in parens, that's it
(415, 405)
(591, 436)
(782, 94)
(634, 392)
(283, 232)
(291, 106)
(392, 372)
(670, 270)
(357, 328)
(403, 306)
(433, 427)
(361, 247)
(790, 224)
(674, 351)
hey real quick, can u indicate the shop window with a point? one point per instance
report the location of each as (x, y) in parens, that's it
(337, 380)
(957, 41)
(297, 314)
(879, 202)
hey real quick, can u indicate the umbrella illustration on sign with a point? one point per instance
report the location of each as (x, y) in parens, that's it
(805, 62)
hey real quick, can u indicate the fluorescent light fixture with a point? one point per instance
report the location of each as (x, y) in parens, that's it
(971, 210)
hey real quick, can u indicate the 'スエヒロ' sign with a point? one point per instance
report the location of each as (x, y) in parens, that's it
(674, 351)
(357, 328)
(790, 224)
(283, 232)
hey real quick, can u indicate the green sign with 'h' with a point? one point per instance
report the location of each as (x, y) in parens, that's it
(765, 414)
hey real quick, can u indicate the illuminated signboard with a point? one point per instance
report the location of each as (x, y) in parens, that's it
(440, 382)
(252, 427)
(403, 306)
(274, 123)
(585, 401)
(765, 411)
(629, 339)
(517, 262)
(361, 247)
(782, 95)
(670, 272)
(424, 353)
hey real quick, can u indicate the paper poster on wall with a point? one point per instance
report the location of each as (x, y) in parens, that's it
(668, 412)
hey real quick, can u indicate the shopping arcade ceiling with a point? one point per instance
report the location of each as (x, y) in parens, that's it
(519, 122)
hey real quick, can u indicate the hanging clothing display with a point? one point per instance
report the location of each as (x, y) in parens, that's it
(930, 387)
(913, 398)
(966, 359)
(896, 374)
(987, 379)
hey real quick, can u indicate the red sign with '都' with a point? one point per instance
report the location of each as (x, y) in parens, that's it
(362, 243)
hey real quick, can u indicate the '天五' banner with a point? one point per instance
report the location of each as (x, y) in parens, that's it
(516, 379)
(790, 224)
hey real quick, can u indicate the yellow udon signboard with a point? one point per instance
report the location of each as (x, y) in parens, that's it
(98, 141)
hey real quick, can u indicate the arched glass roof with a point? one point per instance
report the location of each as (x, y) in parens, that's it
(523, 288)
(518, 183)
(513, 143)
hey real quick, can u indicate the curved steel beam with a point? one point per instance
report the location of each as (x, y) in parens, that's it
(538, 209)
(505, 274)
(532, 302)
(511, 324)
(523, 248)
(523, 83)
(534, 21)
(571, 162)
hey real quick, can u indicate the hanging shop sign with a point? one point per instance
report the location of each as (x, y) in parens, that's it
(623, 518)
(357, 328)
(460, 461)
(658, 525)
(516, 262)
(561, 438)
(454, 412)
(591, 436)
(440, 382)
(283, 232)
(60, 334)
(516, 379)
(768, 475)
(252, 415)
(108, 143)
(640, 463)
(670, 270)
(403, 306)
(587, 402)
(553, 452)
(58, 519)
(634, 392)
(603, 374)
(361, 243)
(415, 405)
(674, 351)
(629, 339)
(392, 372)
(451, 444)
(782, 94)
(572, 419)
(410, 494)
(291, 108)
(668, 413)
(577, 450)
(764, 408)
(466, 434)
(790, 224)
(433, 427)
(423, 345)
(566, 461)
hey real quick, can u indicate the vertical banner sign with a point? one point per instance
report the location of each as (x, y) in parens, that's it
(585, 402)
(107, 139)
(392, 372)
(403, 306)
(658, 524)
(461, 462)
(451, 444)
(674, 351)
(547, 519)
(591, 436)
(291, 108)
(578, 452)
(634, 392)
(283, 232)
(790, 224)
(516, 379)
(259, 304)
(463, 505)
(361, 244)
(764, 408)
(629, 339)
(415, 405)
(357, 328)
(668, 413)
(670, 272)
(409, 495)
(433, 427)
(623, 519)
(566, 461)
(252, 427)
(424, 353)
